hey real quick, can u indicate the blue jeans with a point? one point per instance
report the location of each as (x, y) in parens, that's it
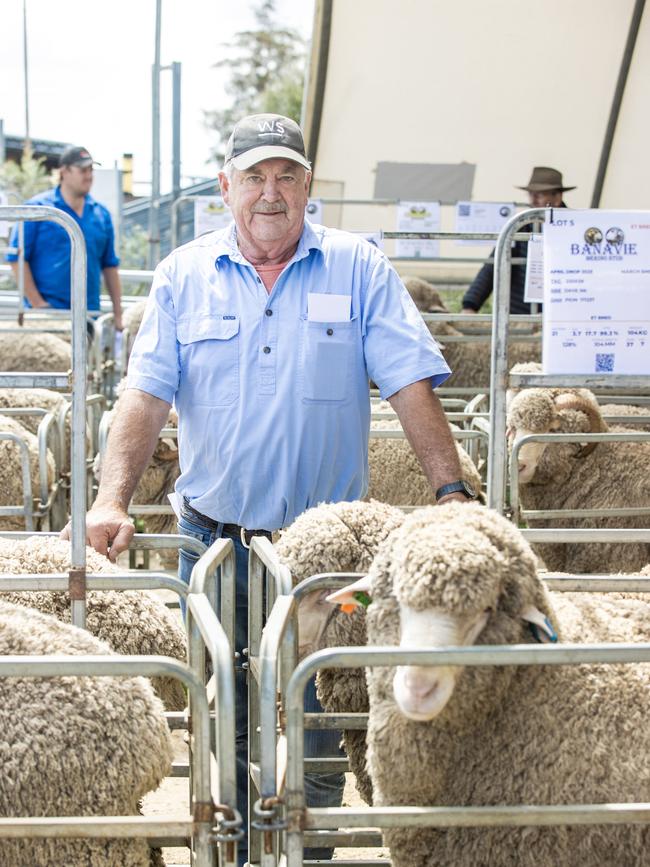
(321, 790)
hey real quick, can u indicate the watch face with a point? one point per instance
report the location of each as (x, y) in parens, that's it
(469, 490)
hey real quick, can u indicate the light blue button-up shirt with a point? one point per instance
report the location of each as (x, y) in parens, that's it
(274, 409)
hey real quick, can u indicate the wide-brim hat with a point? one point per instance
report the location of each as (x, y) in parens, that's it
(544, 179)
(263, 137)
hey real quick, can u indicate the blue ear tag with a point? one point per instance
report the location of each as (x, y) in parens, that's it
(544, 634)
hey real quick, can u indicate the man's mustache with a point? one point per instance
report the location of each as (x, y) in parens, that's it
(268, 208)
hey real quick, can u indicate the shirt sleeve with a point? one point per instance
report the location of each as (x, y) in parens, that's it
(398, 347)
(30, 229)
(109, 258)
(153, 364)
(480, 288)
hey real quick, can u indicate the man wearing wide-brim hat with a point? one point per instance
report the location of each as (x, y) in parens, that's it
(545, 189)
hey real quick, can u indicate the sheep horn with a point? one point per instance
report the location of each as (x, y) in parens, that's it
(596, 423)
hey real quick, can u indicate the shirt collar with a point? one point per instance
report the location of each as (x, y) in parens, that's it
(226, 244)
(61, 202)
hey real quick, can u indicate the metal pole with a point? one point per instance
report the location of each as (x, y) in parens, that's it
(154, 204)
(617, 101)
(28, 142)
(496, 473)
(2, 140)
(176, 129)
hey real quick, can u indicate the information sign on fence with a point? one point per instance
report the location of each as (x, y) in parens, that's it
(417, 217)
(210, 213)
(534, 282)
(597, 292)
(482, 217)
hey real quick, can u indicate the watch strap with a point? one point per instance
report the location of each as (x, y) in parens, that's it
(459, 487)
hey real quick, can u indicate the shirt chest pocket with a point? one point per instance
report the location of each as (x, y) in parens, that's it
(209, 358)
(326, 360)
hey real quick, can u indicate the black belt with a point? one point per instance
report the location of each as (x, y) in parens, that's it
(232, 530)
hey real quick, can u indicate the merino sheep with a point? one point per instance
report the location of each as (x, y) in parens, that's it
(469, 362)
(157, 481)
(395, 474)
(130, 621)
(31, 352)
(74, 746)
(11, 487)
(337, 537)
(573, 476)
(460, 575)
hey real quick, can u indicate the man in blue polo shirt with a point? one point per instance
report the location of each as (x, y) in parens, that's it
(47, 245)
(264, 336)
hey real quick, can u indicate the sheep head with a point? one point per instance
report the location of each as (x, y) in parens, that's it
(333, 537)
(543, 410)
(425, 295)
(454, 575)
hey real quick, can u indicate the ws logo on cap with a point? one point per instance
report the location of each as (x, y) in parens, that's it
(270, 127)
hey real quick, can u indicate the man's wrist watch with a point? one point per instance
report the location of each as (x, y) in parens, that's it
(459, 487)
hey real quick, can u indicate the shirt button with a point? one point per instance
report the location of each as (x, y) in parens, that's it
(330, 331)
(266, 350)
(269, 312)
(259, 279)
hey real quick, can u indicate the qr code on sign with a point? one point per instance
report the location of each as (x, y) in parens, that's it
(464, 210)
(604, 362)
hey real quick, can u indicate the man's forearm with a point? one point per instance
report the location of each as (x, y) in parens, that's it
(31, 292)
(427, 430)
(114, 289)
(132, 440)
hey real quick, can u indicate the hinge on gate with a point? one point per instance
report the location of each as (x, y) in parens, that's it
(77, 584)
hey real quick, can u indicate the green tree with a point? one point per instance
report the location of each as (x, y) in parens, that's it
(23, 180)
(134, 252)
(266, 67)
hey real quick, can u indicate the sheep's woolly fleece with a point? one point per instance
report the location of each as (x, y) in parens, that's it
(571, 734)
(74, 746)
(130, 621)
(31, 352)
(11, 479)
(340, 537)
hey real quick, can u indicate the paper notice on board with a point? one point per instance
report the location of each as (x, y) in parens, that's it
(534, 282)
(417, 217)
(482, 217)
(210, 213)
(597, 292)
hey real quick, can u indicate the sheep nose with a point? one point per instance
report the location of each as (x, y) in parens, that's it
(419, 683)
(522, 466)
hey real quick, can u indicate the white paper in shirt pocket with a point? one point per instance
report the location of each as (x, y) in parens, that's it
(322, 307)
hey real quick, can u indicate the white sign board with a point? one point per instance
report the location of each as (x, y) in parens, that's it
(373, 238)
(482, 217)
(4, 225)
(210, 213)
(597, 292)
(417, 217)
(314, 211)
(107, 189)
(534, 282)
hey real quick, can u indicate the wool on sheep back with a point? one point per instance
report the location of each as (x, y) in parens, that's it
(130, 621)
(31, 352)
(396, 475)
(506, 735)
(74, 746)
(340, 537)
(11, 479)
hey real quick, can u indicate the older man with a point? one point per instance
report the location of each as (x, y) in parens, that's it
(264, 335)
(545, 189)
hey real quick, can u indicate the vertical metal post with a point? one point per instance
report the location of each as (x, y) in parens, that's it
(256, 587)
(176, 129)
(28, 141)
(154, 204)
(497, 457)
(2, 140)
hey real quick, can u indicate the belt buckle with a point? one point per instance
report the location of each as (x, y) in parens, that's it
(242, 537)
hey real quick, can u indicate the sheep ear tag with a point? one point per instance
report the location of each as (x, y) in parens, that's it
(352, 595)
(539, 625)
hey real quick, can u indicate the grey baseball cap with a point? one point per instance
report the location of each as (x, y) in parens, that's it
(76, 156)
(263, 137)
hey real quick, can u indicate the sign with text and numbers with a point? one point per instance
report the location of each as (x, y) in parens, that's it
(597, 292)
